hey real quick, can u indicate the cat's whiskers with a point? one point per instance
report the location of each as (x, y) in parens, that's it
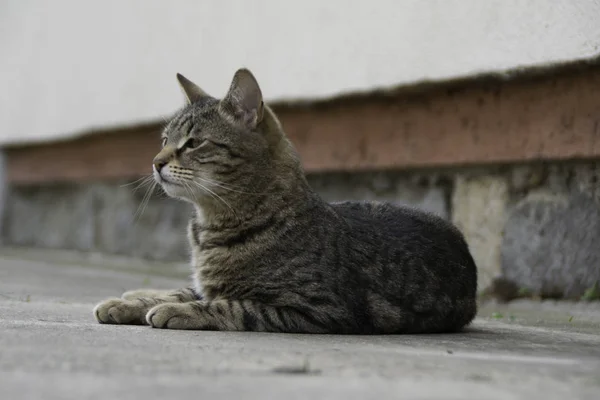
(185, 176)
(222, 185)
(143, 178)
(141, 182)
(212, 193)
(190, 174)
(227, 186)
(188, 189)
(145, 184)
(145, 201)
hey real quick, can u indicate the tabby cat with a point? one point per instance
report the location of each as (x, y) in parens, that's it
(268, 254)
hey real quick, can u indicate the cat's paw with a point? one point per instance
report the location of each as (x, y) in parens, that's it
(120, 311)
(175, 316)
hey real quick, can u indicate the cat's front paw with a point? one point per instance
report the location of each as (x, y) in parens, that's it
(175, 316)
(119, 311)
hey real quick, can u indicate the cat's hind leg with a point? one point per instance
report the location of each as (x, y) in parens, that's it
(132, 307)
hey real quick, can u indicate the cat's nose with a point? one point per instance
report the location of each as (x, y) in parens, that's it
(163, 158)
(159, 164)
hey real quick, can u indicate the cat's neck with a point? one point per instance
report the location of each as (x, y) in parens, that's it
(279, 200)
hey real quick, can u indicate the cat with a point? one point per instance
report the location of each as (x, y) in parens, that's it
(268, 254)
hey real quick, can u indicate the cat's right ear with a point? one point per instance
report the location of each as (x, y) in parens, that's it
(244, 102)
(191, 90)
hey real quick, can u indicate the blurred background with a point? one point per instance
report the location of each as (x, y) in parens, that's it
(484, 112)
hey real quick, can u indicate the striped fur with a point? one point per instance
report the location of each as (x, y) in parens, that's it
(268, 254)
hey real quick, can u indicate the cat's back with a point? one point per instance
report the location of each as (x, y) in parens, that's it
(397, 234)
(387, 220)
(420, 275)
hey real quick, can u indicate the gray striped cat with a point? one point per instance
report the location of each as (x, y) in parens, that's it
(268, 254)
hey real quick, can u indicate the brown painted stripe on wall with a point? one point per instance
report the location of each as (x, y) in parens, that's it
(541, 119)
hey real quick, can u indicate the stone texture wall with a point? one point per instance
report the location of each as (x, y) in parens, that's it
(537, 226)
(552, 234)
(479, 210)
(2, 190)
(108, 217)
(98, 217)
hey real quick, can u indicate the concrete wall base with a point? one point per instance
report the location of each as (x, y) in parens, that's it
(536, 225)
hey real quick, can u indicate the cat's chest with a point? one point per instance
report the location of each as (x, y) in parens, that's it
(203, 271)
(214, 269)
(215, 275)
(219, 270)
(204, 255)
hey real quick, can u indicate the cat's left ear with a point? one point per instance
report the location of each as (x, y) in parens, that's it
(191, 90)
(244, 101)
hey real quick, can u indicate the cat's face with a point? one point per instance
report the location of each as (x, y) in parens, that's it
(213, 148)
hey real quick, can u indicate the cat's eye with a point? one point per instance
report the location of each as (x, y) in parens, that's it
(164, 142)
(193, 143)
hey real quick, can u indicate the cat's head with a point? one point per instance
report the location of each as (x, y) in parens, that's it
(215, 149)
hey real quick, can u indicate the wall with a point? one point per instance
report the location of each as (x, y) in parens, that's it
(536, 225)
(3, 190)
(525, 194)
(69, 67)
(107, 217)
(549, 116)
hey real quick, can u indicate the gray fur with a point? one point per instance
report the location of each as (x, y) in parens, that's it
(268, 254)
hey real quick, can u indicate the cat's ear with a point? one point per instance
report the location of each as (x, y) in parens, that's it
(191, 90)
(244, 101)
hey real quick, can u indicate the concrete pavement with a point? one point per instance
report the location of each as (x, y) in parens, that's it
(52, 348)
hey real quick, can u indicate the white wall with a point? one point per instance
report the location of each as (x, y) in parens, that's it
(71, 65)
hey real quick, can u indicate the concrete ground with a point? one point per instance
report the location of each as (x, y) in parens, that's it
(52, 348)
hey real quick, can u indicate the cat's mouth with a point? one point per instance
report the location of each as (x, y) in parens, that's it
(163, 180)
